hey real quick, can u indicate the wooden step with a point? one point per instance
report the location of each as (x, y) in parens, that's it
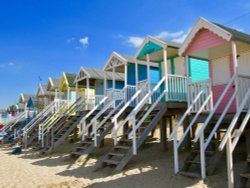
(194, 162)
(245, 175)
(86, 142)
(81, 148)
(111, 162)
(206, 152)
(125, 141)
(116, 154)
(76, 153)
(190, 174)
(121, 147)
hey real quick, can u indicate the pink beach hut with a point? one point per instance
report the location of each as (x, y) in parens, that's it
(216, 102)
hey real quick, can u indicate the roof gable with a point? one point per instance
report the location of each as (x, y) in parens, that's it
(204, 24)
(116, 60)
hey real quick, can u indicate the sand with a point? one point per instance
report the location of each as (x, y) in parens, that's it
(150, 168)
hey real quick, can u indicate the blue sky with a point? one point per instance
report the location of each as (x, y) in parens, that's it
(45, 37)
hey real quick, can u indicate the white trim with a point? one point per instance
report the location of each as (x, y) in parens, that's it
(79, 72)
(200, 24)
(152, 39)
(108, 63)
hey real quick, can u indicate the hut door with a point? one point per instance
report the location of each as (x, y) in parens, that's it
(221, 71)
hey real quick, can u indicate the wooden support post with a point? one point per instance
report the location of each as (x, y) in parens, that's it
(165, 71)
(113, 92)
(136, 79)
(187, 141)
(163, 129)
(247, 137)
(125, 129)
(148, 75)
(88, 95)
(105, 84)
(230, 172)
(125, 81)
(170, 119)
(235, 64)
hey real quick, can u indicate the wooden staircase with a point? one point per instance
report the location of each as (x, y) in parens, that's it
(192, 163)
(122, 152)
(244, 175)
(104, 127)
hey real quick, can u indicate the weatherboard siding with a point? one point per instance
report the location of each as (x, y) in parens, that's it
(204, 39)
(219, 88)
(142, 74)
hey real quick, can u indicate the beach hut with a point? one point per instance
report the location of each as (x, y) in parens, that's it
(156, 90)
(53, 88)
(41, 96)
(218, 101)
(95, 83)
(23, 101)
(67, 87)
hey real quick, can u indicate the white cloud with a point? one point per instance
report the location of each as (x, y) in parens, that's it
(182, 37)
(165, 34)
(135, 41)
(84, 41)
(178, 36)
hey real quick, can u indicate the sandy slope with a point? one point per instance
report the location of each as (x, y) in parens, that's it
(150, 168)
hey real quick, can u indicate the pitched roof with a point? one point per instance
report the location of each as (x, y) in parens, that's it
(116, 59)
(236, 35)
(70, 78)
(224, 32)
(56, 82)
(26, 97)
(93, 73)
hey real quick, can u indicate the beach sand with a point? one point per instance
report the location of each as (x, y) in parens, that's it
(150, 168)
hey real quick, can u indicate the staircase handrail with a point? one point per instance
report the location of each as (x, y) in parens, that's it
(51, 120)
(96, 127)
(93, 110)
(216, 126)
(233, 123)
(136, 109)
(128, 103)
(100, 124)
(137, 125)
(214, 108)
(83, 120)
(44, 112)
(185, 115)
(79, 103)
(21, 116)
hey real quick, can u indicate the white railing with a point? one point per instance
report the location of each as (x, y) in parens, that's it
(129, 93)
(243, 86)
(16, 119)
(194, 88)
(98, 126)
(143, 83)
(232, 142)
(216, 106)
(177, 88)
(131, 102)
(98, 99)
(233, 123)
(60, 107)
(90, 113)
(137, 123)
(46, 112)
(200, 135)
